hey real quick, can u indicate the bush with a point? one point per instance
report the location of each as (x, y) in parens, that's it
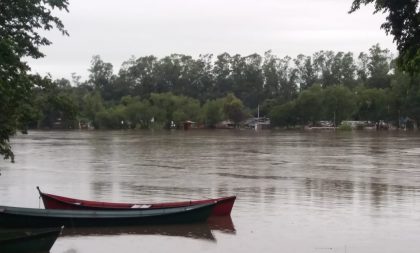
(345, 127)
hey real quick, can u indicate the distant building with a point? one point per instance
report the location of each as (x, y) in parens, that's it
(407, 123)
(189, 124)
(84, 124)
(257, 123)
(58, 124)
(226, 124)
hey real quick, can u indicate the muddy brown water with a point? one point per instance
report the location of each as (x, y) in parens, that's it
(297, 191)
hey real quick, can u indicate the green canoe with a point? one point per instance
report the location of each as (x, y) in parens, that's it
(28, 240)
(16, 217)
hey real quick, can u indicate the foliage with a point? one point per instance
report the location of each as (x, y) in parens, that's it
(92, 104)
(404, 97)
(233, 108)
(212, 112)
(345, 127)
(306, 73)
(378, 66)
(309, 105)
(292, 92)
(20, 25)
(284, 115)
(402, 22)
(177, 108)
(338, 103)
(101, 77)
(372, 104)
(150, 92)
(112, 118)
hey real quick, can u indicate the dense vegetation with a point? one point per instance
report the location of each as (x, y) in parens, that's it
(179, 87)
(150, 92)
(403, 23)
(21, 22)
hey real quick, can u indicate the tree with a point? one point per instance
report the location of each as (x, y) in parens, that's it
(323, 61)
(271, 75)
(201, 78)
(413, 104)
(20, 25)
(92, 104)
(372, 105)
(348, 70)
(288, 77)
(233, 108)
(223, 75)
(284, 115)
(402, 22)
(309, 105)
(101, 77)
(251, 89)
(136, 76)
(362, 69)
(137, 113)
(378, 67)
(306, 72)
(170, 107)
(404, 98)
(339, 103)
(213, 112)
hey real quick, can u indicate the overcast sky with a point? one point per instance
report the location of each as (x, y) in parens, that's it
(117, 30)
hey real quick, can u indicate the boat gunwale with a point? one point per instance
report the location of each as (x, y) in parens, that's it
(100, 214)
(129, 206)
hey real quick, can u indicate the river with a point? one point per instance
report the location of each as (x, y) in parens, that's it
(296, 191)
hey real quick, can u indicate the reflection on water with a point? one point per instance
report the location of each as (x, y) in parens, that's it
(195, 231)
(223, 224)
(297, 191)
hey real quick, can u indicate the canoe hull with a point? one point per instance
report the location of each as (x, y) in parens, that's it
(223, 206)
(29, 241)
(37, 218)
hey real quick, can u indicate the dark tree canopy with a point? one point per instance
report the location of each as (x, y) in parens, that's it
(402, 22)
(21, 22)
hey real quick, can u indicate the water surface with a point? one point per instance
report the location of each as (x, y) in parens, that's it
(297, 191)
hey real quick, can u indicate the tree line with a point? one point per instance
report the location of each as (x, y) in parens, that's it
(151, 92)
(21, 23)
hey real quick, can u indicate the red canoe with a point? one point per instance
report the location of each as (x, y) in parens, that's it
(223, 205)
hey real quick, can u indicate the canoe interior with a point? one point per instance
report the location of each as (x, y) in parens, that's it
(223, 205)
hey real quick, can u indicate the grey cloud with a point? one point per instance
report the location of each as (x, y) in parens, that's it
(117, 30)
